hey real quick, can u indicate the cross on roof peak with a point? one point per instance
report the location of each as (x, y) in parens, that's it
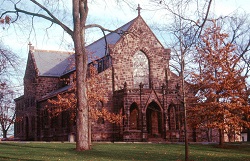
(139, 10)
(31, 47)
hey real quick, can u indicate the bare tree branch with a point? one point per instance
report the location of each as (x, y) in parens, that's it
(52, 18)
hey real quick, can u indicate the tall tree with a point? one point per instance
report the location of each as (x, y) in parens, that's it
(48, 10)
(79, 16)
(184, 35)
(222, 96)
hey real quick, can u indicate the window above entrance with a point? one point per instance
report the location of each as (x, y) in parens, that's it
(141, 69)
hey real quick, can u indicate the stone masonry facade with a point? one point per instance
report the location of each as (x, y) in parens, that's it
(138, 83)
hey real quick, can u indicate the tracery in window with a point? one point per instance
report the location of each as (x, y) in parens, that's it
(141, 69)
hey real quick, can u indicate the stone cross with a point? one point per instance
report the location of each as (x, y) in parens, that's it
(139, 10)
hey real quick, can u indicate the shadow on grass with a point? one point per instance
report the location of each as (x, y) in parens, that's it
(32, 145)
(31, 151)
(241, 147)
(13, 158)
(120, 152)
(138, 152)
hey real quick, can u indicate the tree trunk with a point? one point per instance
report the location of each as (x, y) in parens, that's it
(82, 123)
(221, 136)
(82, 114)
(209, 135)
(4, 133)
(90, 134)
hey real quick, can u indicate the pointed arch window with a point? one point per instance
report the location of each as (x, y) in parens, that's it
(134, 117)
(141, 69)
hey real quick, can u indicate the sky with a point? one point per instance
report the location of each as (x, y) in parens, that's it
(107, 13)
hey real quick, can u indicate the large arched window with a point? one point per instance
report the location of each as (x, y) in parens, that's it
(141, 69)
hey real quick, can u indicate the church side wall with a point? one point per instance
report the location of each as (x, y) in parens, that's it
(103, 130)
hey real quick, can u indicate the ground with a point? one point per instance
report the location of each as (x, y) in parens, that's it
(123, 151)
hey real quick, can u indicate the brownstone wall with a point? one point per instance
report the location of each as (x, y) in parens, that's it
(119, 97)
(30, 77)
(45, 85)
(140, 37)
(34, 88)
(35, 85)
(103, 130)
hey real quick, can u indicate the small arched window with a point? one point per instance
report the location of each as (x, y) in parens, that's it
(134, 117)
(141, 69)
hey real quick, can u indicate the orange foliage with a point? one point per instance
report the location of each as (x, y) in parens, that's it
(5, 20)
(67, 101)
(221, 101)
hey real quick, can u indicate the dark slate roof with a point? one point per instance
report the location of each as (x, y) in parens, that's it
(51, 63)
(56, 63)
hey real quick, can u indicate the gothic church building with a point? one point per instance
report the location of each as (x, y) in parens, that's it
(134, 67)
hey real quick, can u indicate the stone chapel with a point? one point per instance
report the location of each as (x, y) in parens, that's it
(134, 67)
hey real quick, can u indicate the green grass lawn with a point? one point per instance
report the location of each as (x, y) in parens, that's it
(35, 151)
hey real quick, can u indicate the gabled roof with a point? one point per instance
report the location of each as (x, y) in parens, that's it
(51, 63)
(56, 63)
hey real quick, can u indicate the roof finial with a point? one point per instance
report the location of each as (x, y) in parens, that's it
(139, 10)
(30, 46)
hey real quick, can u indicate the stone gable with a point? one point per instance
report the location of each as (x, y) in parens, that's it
(139, 38)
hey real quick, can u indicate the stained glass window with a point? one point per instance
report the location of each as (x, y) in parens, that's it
(141, 69)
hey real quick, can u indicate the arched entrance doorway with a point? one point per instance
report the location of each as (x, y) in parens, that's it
(154, 120)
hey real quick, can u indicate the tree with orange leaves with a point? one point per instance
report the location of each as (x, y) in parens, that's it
(221, 101)
(67, 101)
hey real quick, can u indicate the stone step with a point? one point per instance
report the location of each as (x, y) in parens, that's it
(156, 140)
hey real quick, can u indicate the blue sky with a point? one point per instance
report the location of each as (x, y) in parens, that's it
(107, 13)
